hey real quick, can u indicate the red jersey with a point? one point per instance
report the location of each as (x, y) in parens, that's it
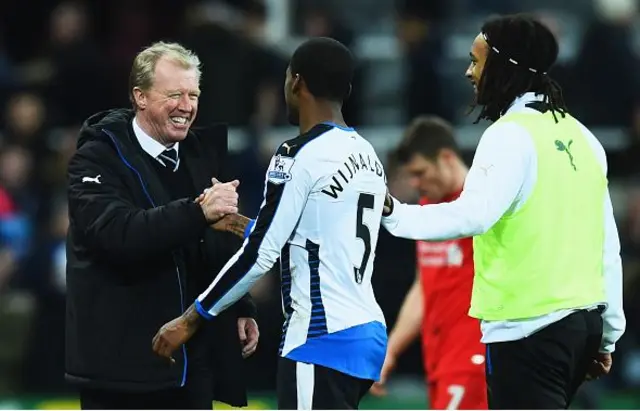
(450, 338)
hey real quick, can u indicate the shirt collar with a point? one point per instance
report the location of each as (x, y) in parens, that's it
(148, 143)
(453, 196)
(446, 199)
(520, 103)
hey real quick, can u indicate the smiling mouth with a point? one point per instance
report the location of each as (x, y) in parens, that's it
(180, 121)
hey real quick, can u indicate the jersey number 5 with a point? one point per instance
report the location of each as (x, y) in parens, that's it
(363, 233)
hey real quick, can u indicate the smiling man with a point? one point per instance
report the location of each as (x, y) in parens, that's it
(548, 275)
(140, 247)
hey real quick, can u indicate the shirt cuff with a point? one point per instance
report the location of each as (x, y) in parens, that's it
(245, 307)
(390, 221)
(607, 349)
(203, 313)
(249, 227)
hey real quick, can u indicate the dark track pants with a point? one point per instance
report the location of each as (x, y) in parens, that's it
(544, 370)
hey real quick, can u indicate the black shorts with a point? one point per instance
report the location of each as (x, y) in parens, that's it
(544, 370)
(305, 386)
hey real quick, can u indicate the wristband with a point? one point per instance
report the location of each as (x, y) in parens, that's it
(249, 227)
(203, 313)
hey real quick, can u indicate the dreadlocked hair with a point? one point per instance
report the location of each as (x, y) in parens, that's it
(521, 52)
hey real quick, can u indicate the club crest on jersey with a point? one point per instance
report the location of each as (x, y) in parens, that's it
(279, 170)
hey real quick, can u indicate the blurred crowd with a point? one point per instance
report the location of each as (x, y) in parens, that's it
(61, 61)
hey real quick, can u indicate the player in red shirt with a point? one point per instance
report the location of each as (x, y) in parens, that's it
(437, 304)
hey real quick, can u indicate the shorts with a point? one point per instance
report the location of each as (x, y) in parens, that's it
(305, 386)
(459, 391)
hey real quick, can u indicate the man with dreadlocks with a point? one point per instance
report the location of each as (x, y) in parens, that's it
(548, 277)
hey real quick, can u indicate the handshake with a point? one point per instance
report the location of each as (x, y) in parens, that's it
(219, 204)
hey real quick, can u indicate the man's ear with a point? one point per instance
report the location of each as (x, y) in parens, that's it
(140, 98)
(297, 84)
(447, 155)
(349, 92)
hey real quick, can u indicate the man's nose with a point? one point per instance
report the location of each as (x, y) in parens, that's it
(185, 104)
(468, 73)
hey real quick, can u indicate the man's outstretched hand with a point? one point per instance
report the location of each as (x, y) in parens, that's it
(175, 333)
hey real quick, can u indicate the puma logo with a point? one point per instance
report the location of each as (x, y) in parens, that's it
(288, 147)
(486, 169)
(95, 179)
(560, 146)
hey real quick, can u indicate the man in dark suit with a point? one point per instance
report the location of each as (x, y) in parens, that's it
(140, 247)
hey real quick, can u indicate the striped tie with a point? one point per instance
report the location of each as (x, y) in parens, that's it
(170, 158)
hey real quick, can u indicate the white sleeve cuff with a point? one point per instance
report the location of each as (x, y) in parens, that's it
(607, 348)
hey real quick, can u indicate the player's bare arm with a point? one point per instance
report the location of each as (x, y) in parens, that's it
(176, 332)
(233, 223)
(407, 327)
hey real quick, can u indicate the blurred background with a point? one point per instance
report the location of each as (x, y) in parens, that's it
(61, 61)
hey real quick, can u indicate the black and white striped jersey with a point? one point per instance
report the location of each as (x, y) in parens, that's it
(321, 216)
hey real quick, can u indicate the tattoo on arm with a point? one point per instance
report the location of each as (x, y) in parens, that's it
(239, 224)
(233, 223)
(192, 317)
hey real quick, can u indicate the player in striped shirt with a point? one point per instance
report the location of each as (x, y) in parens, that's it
(324, 195)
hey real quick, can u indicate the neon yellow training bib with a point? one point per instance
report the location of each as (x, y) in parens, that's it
(547, 255)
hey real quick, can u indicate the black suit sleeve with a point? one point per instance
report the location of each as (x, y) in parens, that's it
(246, 307)
(109, 223)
